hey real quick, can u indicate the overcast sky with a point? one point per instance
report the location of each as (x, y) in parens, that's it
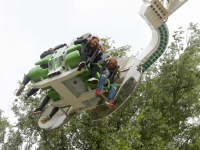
(27, 28)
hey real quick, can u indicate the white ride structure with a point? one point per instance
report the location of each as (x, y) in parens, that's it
(74, 95)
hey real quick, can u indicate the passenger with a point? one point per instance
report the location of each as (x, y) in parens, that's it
(97, 56)
(94, 66)
(88, 48)
(40, 109)
(26, 79)
(109, 71)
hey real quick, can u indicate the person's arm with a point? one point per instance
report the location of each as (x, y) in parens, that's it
(59, 46)
(80, 41)
(108, 59)
(100, 47)
(119, 70)
(104, 60)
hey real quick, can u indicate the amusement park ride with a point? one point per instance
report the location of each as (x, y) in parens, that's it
(68, 88)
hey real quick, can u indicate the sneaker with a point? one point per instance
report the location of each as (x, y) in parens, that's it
(44, 120)
(97, 92)
(92, 80)
(21, 88)
(110, 103)
(37, 111)
(81, 65)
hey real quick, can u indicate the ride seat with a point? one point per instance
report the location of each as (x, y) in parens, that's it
(53, 94)
(44, 60)
(72, 59)
(37, 74)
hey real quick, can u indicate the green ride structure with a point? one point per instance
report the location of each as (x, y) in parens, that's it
(68, 88)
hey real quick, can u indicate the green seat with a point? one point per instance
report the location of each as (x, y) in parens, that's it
(72, 48)
(72, 59)
(53, 94)
(86, 76)
(44, 60)
(92, 86)
(37, 73)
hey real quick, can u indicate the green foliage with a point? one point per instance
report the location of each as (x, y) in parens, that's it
(170, 95)
(112, 50)
(4, 124)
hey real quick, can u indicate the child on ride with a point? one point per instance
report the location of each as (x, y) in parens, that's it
(89, 46)
(109, 70)
(94, 66)
(26, 79)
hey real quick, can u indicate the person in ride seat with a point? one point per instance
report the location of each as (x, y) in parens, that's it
(109, 70)
(94, 66)
(26, 79)
(89, 46)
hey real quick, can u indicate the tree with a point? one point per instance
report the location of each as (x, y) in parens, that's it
(4, 124)
(166, 101)
(112, 50)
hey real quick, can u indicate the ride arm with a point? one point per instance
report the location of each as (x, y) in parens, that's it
(94, 56)
(117, 76)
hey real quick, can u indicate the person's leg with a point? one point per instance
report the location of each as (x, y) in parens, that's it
(44, 102)
(31, 92)
(42, 105)
(101, 81)
(94, 70)
(26, 80)
(100, 84)
(22, 86)
(82, 61)
(112, 92)
(53, 112)
(83, 57)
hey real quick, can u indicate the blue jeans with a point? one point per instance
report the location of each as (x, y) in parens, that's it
(44, 102)
(103, 77)
(101, 81)
(112, 92)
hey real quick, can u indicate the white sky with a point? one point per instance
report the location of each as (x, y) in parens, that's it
(27, 28)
